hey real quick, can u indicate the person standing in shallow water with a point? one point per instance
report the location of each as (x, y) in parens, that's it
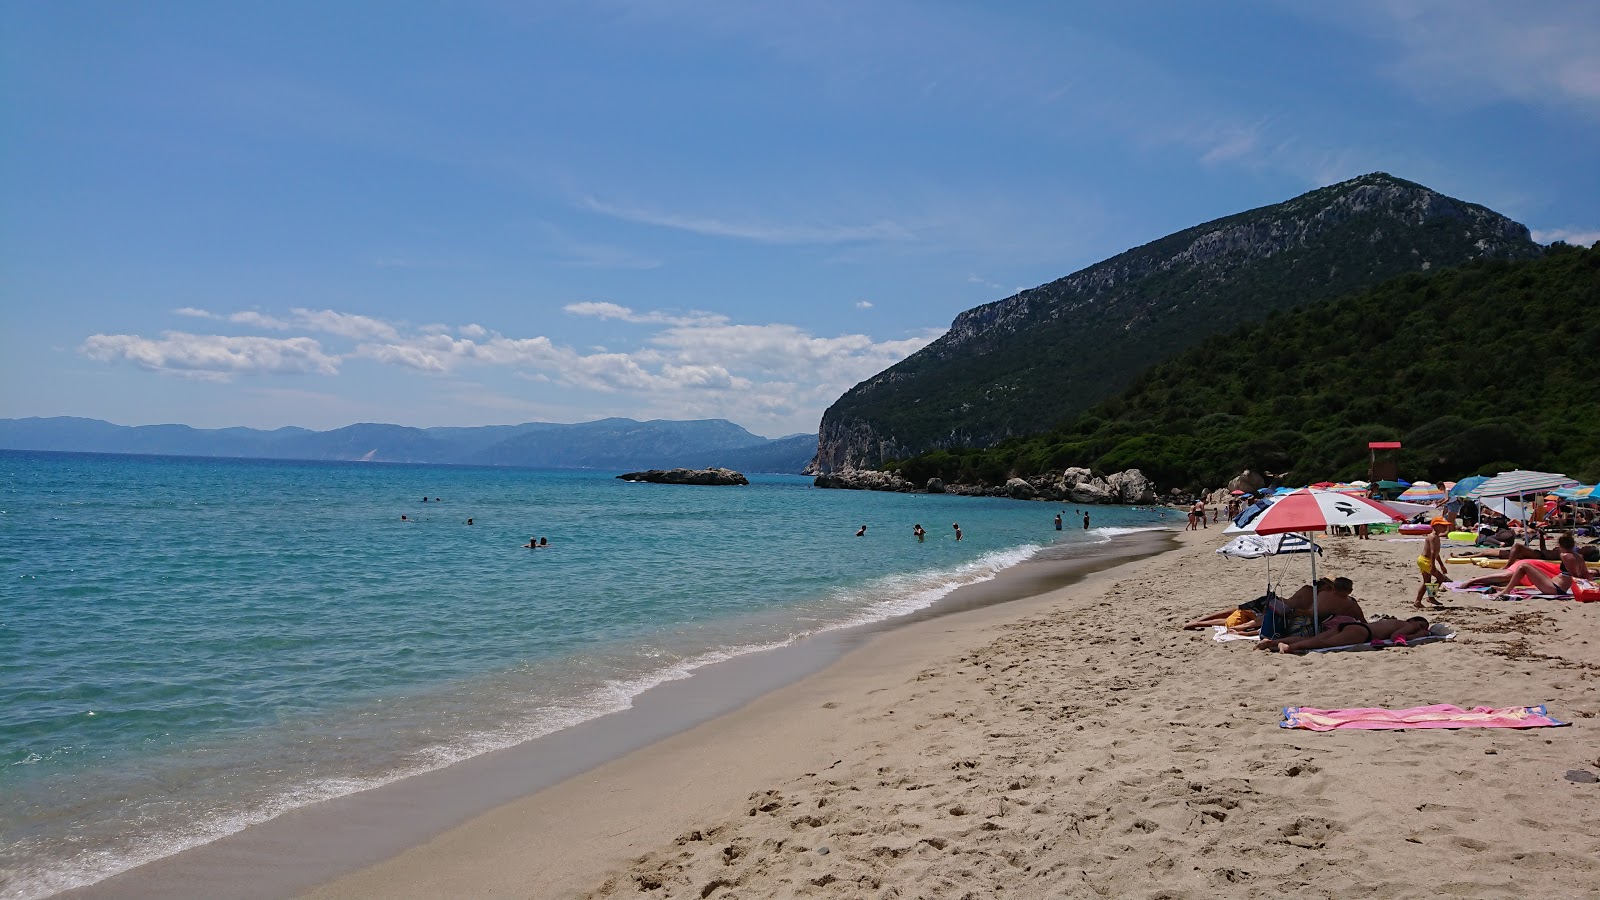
(920, 534)
(957, 527)
(1058, 521)
(1086, 521)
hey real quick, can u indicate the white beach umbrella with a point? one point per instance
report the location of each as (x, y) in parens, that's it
(1520, 483)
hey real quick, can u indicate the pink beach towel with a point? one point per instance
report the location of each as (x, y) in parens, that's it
(1438, 716)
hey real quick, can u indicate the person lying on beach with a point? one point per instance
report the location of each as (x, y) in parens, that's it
(1570, 560)
(1236, 620)
(1341, 631)
(1547, 577)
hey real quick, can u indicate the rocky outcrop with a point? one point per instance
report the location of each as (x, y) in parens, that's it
(1020, 489)
(1247, 481)
(1131, 487)
(688, 476)
(1038, 358)
(1076, 485)
(865, 480)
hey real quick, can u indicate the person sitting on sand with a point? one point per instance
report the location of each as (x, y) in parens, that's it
(1333, 599)
(1340, 632)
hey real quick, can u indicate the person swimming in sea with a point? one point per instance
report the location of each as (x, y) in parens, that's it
(862, 532)
(918, 532)
(532, 544)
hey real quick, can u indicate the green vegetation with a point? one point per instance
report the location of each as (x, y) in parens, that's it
(1018, 365)
(1488, 367)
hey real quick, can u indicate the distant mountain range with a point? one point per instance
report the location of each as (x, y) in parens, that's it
(1021, 365)
(605, 444)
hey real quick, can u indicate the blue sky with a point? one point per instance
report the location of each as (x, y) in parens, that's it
(484, 212)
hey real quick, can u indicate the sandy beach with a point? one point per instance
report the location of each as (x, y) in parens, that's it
(1078, 744)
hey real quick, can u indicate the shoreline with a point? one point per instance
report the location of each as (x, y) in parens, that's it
(333, 838)
(1078, 744)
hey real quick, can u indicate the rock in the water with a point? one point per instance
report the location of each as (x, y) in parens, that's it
(935, 486)
(688, 476)
(864, 480)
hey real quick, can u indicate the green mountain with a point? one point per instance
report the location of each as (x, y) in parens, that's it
(1480, 369)
(1036, 359)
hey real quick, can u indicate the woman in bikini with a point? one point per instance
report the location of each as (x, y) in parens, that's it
(1341, 631)
(1548, 577)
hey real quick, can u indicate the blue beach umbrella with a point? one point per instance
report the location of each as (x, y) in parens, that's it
(1465, 485)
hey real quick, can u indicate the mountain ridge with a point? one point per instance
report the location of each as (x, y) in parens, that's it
(603, 443)
(1029, 361)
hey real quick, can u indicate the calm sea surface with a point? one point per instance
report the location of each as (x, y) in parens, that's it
(188, 646)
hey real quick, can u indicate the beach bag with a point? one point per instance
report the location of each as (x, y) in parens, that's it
(1585, 591)
(1279, 621)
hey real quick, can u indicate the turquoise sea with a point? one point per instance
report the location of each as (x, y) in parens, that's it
(188, 646)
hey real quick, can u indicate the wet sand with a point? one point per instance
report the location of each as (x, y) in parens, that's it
(321, 842)
(1078, 744)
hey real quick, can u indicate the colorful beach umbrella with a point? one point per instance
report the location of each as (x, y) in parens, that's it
(1422, 492)
(1464, 487)
(1309, 511)
(1351, 488)
(1521, 483)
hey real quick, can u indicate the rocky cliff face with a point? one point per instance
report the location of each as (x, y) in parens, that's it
(1030, 361)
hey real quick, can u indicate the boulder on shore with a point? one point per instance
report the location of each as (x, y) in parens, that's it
(717, 476)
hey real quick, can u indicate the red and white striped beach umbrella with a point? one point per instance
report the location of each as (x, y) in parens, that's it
(1311, 510)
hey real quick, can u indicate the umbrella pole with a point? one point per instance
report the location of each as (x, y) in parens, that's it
(1314, 619)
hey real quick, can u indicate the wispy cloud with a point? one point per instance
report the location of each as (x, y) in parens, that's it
(1577, 237)
(690, 364)
(748, 230)
(1476, 52)
(213, 356)
(605, 310)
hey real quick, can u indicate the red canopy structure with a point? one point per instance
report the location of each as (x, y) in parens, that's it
(1387, 468)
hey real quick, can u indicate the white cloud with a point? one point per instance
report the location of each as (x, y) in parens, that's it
(246, 317)
(603, 310)
(863, 304)
(759, 232)
(213, 355)
(1477, 52)
(1577, 237)
(344, 324)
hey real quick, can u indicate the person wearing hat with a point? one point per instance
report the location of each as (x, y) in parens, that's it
(1431, 563)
